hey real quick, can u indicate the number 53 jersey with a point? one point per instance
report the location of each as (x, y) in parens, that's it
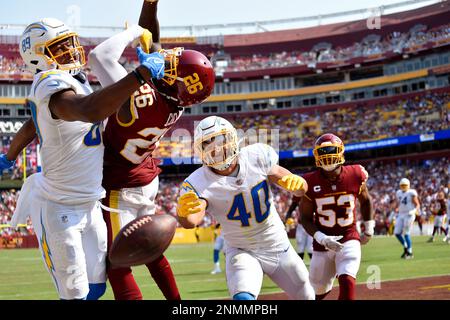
(129, 145)
(243, 205)
(335, 202)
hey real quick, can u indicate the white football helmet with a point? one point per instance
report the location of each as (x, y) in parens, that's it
(50, 44)
(216, 142)
(404, 184)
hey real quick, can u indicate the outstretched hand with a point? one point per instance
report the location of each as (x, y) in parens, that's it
(154, 62)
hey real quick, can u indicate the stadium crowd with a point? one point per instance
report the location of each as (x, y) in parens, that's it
(372, 45)
(297, 130)
(369, 47)
(427, 177)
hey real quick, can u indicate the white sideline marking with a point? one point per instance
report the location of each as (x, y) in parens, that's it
(397, 279)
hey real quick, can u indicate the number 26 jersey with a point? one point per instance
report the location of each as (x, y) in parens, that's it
(129, 145)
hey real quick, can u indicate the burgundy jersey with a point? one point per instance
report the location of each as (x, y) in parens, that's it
(335, 202)
(128, 160)
(441, 207)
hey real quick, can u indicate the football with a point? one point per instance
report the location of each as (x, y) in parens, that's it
(142, 240)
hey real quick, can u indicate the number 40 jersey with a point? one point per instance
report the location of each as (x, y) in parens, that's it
(129, 145)
(334, 202)
(243, 205)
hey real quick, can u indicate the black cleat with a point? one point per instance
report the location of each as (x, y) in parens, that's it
(405, 253)
(409, 256)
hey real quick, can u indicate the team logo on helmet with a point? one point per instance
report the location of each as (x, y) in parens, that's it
(188, 76)
(50, 44)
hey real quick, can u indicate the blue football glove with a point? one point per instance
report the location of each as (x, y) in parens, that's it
(154, 62)
(5, 163)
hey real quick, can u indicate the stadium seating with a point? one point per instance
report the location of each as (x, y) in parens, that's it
(418, 114)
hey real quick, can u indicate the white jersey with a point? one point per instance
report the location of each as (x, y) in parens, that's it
(243, 205)
(71, 152)
(404, 198)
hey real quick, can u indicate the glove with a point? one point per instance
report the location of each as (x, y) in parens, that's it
(188, 203)
(291, 182)
(145, 40)
(290, 222)
(368, 232)
(5, 163)
(329, 242)
(154, 62)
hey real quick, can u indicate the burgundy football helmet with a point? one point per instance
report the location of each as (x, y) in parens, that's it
(329, 152)
(188, 76)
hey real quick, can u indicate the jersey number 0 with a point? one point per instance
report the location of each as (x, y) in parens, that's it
(238, 210)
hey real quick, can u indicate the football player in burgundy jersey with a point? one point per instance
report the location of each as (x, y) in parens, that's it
(130, 173)
(304, 240)
(329, 215)
(439, 210)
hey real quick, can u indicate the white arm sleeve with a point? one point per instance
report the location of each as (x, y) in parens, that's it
(104, 59)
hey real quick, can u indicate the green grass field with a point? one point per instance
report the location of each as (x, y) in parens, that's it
(24, 277)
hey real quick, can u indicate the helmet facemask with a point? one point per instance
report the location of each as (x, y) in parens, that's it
(404, 187)
(218, 150)
(171, 58)
(66, 52)
(329, 157)
(404, 184)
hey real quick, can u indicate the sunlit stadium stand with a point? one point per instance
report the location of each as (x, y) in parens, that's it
(385, 92)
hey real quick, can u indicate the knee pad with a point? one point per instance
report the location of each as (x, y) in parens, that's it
(243, 296)
(96, 290)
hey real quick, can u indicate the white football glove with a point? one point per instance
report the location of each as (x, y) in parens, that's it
(368, 232)
(329, 242)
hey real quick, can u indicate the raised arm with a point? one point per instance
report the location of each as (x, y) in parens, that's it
(149, 20)
(97, 106)
(104, 59)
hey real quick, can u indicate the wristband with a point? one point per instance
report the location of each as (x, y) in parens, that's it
(139, 77)
(319, 236)
(370, 226)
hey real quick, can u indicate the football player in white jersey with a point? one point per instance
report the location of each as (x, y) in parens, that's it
(408, 206)
(234, 187)
(219, 245)
(62, 200)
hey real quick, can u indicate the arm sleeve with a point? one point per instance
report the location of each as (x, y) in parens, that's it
(268, 157)
(104, 59)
